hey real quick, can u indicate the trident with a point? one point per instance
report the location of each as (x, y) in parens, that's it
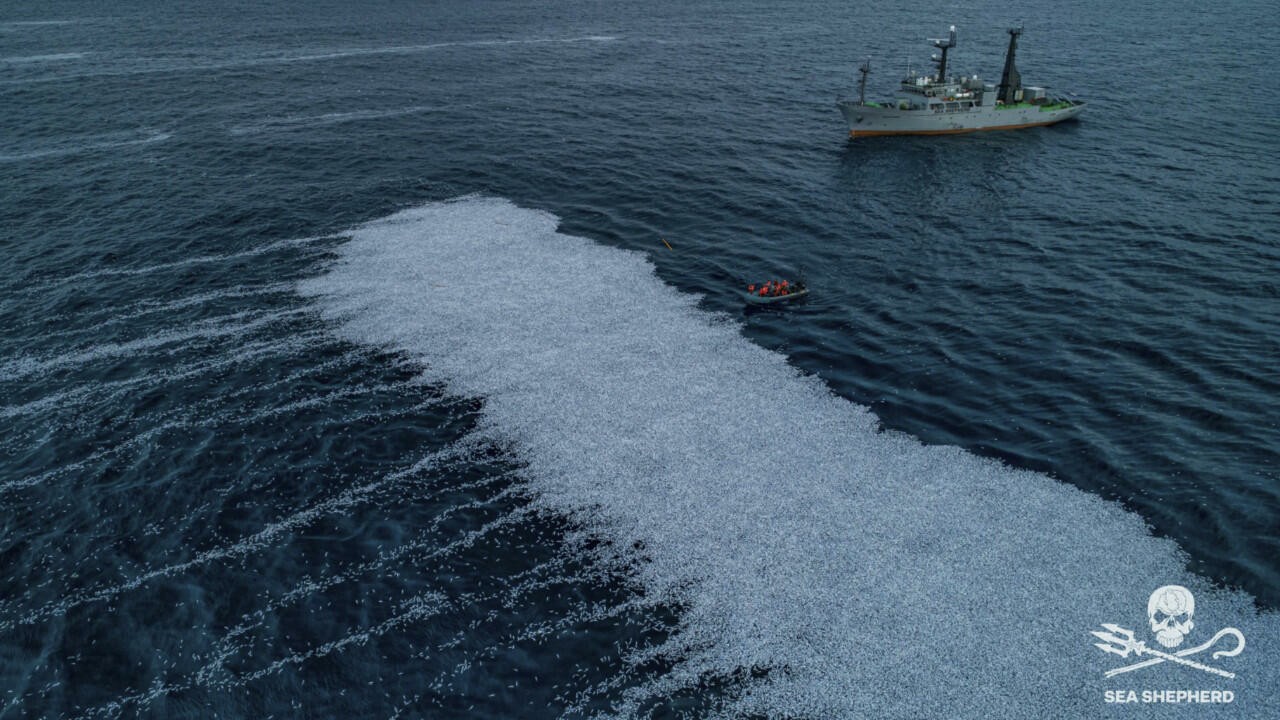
(1120, 642)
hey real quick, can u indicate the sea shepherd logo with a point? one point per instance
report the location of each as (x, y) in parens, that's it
(1171, 613)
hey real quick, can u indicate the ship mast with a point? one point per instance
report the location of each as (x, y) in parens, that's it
(944, 46)
(862, 83)
(1010, 80)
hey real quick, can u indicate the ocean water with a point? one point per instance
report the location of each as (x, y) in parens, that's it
(345, 372)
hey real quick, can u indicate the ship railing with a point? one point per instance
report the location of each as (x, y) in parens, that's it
(843, 98)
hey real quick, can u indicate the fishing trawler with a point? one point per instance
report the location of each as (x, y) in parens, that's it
(940, 104)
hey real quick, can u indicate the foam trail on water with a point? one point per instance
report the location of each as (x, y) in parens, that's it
(415, 609)
(339, 54)
(426, 540)
(76, 146)
(343, 501)
(215, 673)
(71, 399)
(27, 25)
(296, 122)
(183, 264)
(872, 575)
(212, 420)
(411, 49)
(116, 316)
(205, 330)
(36, 23)
(54, 57)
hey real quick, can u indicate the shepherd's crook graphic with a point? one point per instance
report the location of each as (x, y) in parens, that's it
(1239, 648)
(1121, 642)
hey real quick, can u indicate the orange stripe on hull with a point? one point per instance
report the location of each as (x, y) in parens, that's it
(949, 131)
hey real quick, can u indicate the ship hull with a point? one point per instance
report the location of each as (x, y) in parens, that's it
(871, 120)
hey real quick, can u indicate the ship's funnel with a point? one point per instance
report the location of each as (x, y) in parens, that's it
(1010, 80)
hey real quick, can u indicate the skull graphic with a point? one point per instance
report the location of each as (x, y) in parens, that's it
(1170, 610)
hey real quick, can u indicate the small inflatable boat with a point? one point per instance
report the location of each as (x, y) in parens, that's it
(775, 293)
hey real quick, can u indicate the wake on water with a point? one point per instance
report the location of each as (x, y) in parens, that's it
(143, 66)
(77, 145)
(51, 57)
(860, 572)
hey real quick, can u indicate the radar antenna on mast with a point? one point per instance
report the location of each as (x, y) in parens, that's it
(1010, 80)
(865, 68)
(944, 46)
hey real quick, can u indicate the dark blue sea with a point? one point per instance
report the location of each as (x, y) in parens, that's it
(390, 360)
